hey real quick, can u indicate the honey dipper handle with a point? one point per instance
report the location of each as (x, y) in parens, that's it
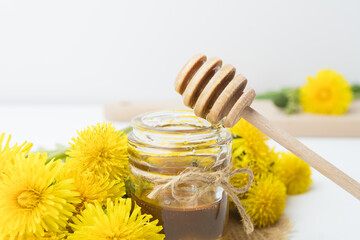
(302, 151)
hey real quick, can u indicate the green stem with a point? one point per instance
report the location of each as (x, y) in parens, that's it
(268, 95)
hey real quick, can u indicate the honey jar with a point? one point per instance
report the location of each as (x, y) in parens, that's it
(164, 145)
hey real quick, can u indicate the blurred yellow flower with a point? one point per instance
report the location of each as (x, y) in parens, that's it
(294, 173)
(32, 202)
(327, 93)
(102, 151)
(265, 200)
(7, 153)
(118, 221)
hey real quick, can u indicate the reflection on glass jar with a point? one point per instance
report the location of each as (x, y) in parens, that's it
(163, 145)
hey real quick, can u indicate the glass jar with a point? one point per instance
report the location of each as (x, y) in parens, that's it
(164, 144)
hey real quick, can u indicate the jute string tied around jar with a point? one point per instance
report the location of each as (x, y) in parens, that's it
(208, 180)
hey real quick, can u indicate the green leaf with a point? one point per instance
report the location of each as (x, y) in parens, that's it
(127, 130)
(280, 100)
(57, 154)
(127, 188)
(356, 90)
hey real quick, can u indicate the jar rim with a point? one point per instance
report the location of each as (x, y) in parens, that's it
(173, 121)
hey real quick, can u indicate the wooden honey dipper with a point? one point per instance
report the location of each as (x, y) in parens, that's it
(216, 94)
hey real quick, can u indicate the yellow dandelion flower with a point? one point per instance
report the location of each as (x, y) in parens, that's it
(117, 222)
(7, 153)
(92, 187)
(265, 201)
(250, 136)
(100, 150)
(294, 173)
(327, 93)
(250, 149)
(31, 201)
(240, 180)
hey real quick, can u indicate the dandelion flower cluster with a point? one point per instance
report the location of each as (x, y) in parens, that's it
(275, 174)
(117, 222)
(265, 201)
(327, 93)
(100, 150)
(32, 202)
(79, 198)
(295, 173)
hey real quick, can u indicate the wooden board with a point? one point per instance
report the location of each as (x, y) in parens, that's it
(313, 125)
(300, 125)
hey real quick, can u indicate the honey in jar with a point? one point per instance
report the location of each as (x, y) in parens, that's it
(163, 145)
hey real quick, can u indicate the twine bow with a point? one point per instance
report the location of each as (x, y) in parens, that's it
(209, 180)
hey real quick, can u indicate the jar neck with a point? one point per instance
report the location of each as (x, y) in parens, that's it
(176, 129)
(170, 141)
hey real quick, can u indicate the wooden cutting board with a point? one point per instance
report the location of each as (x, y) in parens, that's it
(300, 124)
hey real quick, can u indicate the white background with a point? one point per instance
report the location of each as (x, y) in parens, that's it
(100, 51)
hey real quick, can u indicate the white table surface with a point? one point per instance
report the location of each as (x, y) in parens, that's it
(325, 212)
